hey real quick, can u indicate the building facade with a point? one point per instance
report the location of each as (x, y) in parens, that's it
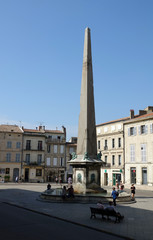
(40, 155)
(55, 155)
(33, 155)
(110, 142)
(139, 148)
(71, 147)
(127, 149)
(11, 154)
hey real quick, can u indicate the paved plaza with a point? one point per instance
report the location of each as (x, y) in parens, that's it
(138, 217)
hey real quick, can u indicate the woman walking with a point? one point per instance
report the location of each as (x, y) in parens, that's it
(132, 191)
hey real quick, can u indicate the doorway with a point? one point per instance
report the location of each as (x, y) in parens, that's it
(26, 174)
(133, 175)
(15, 173)
(116, 178)
(144, 175)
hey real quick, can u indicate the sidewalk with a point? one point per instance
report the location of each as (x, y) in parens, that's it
(138, 217)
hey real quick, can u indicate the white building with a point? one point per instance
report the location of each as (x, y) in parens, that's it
(110, 141)
(139, 148)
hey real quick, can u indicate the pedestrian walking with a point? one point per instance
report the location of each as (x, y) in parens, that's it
(132, 191)
(56, 180)
(16, 179)
(64, 192)
(114, 195)
(117, 184)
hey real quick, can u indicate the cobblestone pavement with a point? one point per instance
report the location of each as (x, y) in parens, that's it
(137, 222)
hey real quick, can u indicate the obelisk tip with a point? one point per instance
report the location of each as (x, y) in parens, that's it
(87, 29)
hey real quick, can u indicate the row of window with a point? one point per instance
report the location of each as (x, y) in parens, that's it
(40, 146)
(55, 148)
(9, 144)
(9, 157)
(55, 137)
(39, 159)
(112, 128)
(55, 162)
(143, 153)
(7, 171)
(4, 170)
(113, 143)
(28, 145)
(113, 160)
(142, 129)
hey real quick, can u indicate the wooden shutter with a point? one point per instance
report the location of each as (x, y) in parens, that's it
(139, 130)
(146, 129)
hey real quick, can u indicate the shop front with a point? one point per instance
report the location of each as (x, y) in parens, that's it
(116, 176)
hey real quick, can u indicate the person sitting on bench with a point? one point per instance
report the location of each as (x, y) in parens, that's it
(111, 209)
(100, 205)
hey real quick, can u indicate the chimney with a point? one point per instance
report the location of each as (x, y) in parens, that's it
(142, 112)
(131, 114)
(64, 131)
(40, 128)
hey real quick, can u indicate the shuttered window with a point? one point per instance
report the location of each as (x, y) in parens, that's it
(143, 129)
(54, 161)
(132, 131)
(143, 153)
(55, 148)
(132, 153)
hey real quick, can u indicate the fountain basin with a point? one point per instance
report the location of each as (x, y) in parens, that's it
(55, 195)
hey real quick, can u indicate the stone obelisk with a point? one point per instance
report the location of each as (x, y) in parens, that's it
(87, 130)
(86, 164)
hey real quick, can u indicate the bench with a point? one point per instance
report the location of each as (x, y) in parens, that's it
(105, 212)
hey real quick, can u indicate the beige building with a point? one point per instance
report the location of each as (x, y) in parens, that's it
(33, 155)
(10, 152)
(139, 148)
(110, 142)
(71, 147)
(44, 155)
(55, 155)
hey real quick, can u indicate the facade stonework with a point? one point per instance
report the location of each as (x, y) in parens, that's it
(110, 142)
(10, 152)
(127, 149)
(139, 150)
(32, 155)
(40, 155)
(55, 155)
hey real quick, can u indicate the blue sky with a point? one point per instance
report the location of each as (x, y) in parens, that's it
(41, 53)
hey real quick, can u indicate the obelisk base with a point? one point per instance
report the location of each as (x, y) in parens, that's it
(86, 175)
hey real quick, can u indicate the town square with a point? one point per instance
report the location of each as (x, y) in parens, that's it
(79, 162)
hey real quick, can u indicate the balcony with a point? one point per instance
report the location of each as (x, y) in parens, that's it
(52, 140)
(28, 147)
(34, 149)
(39, 148)
(33, 163)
